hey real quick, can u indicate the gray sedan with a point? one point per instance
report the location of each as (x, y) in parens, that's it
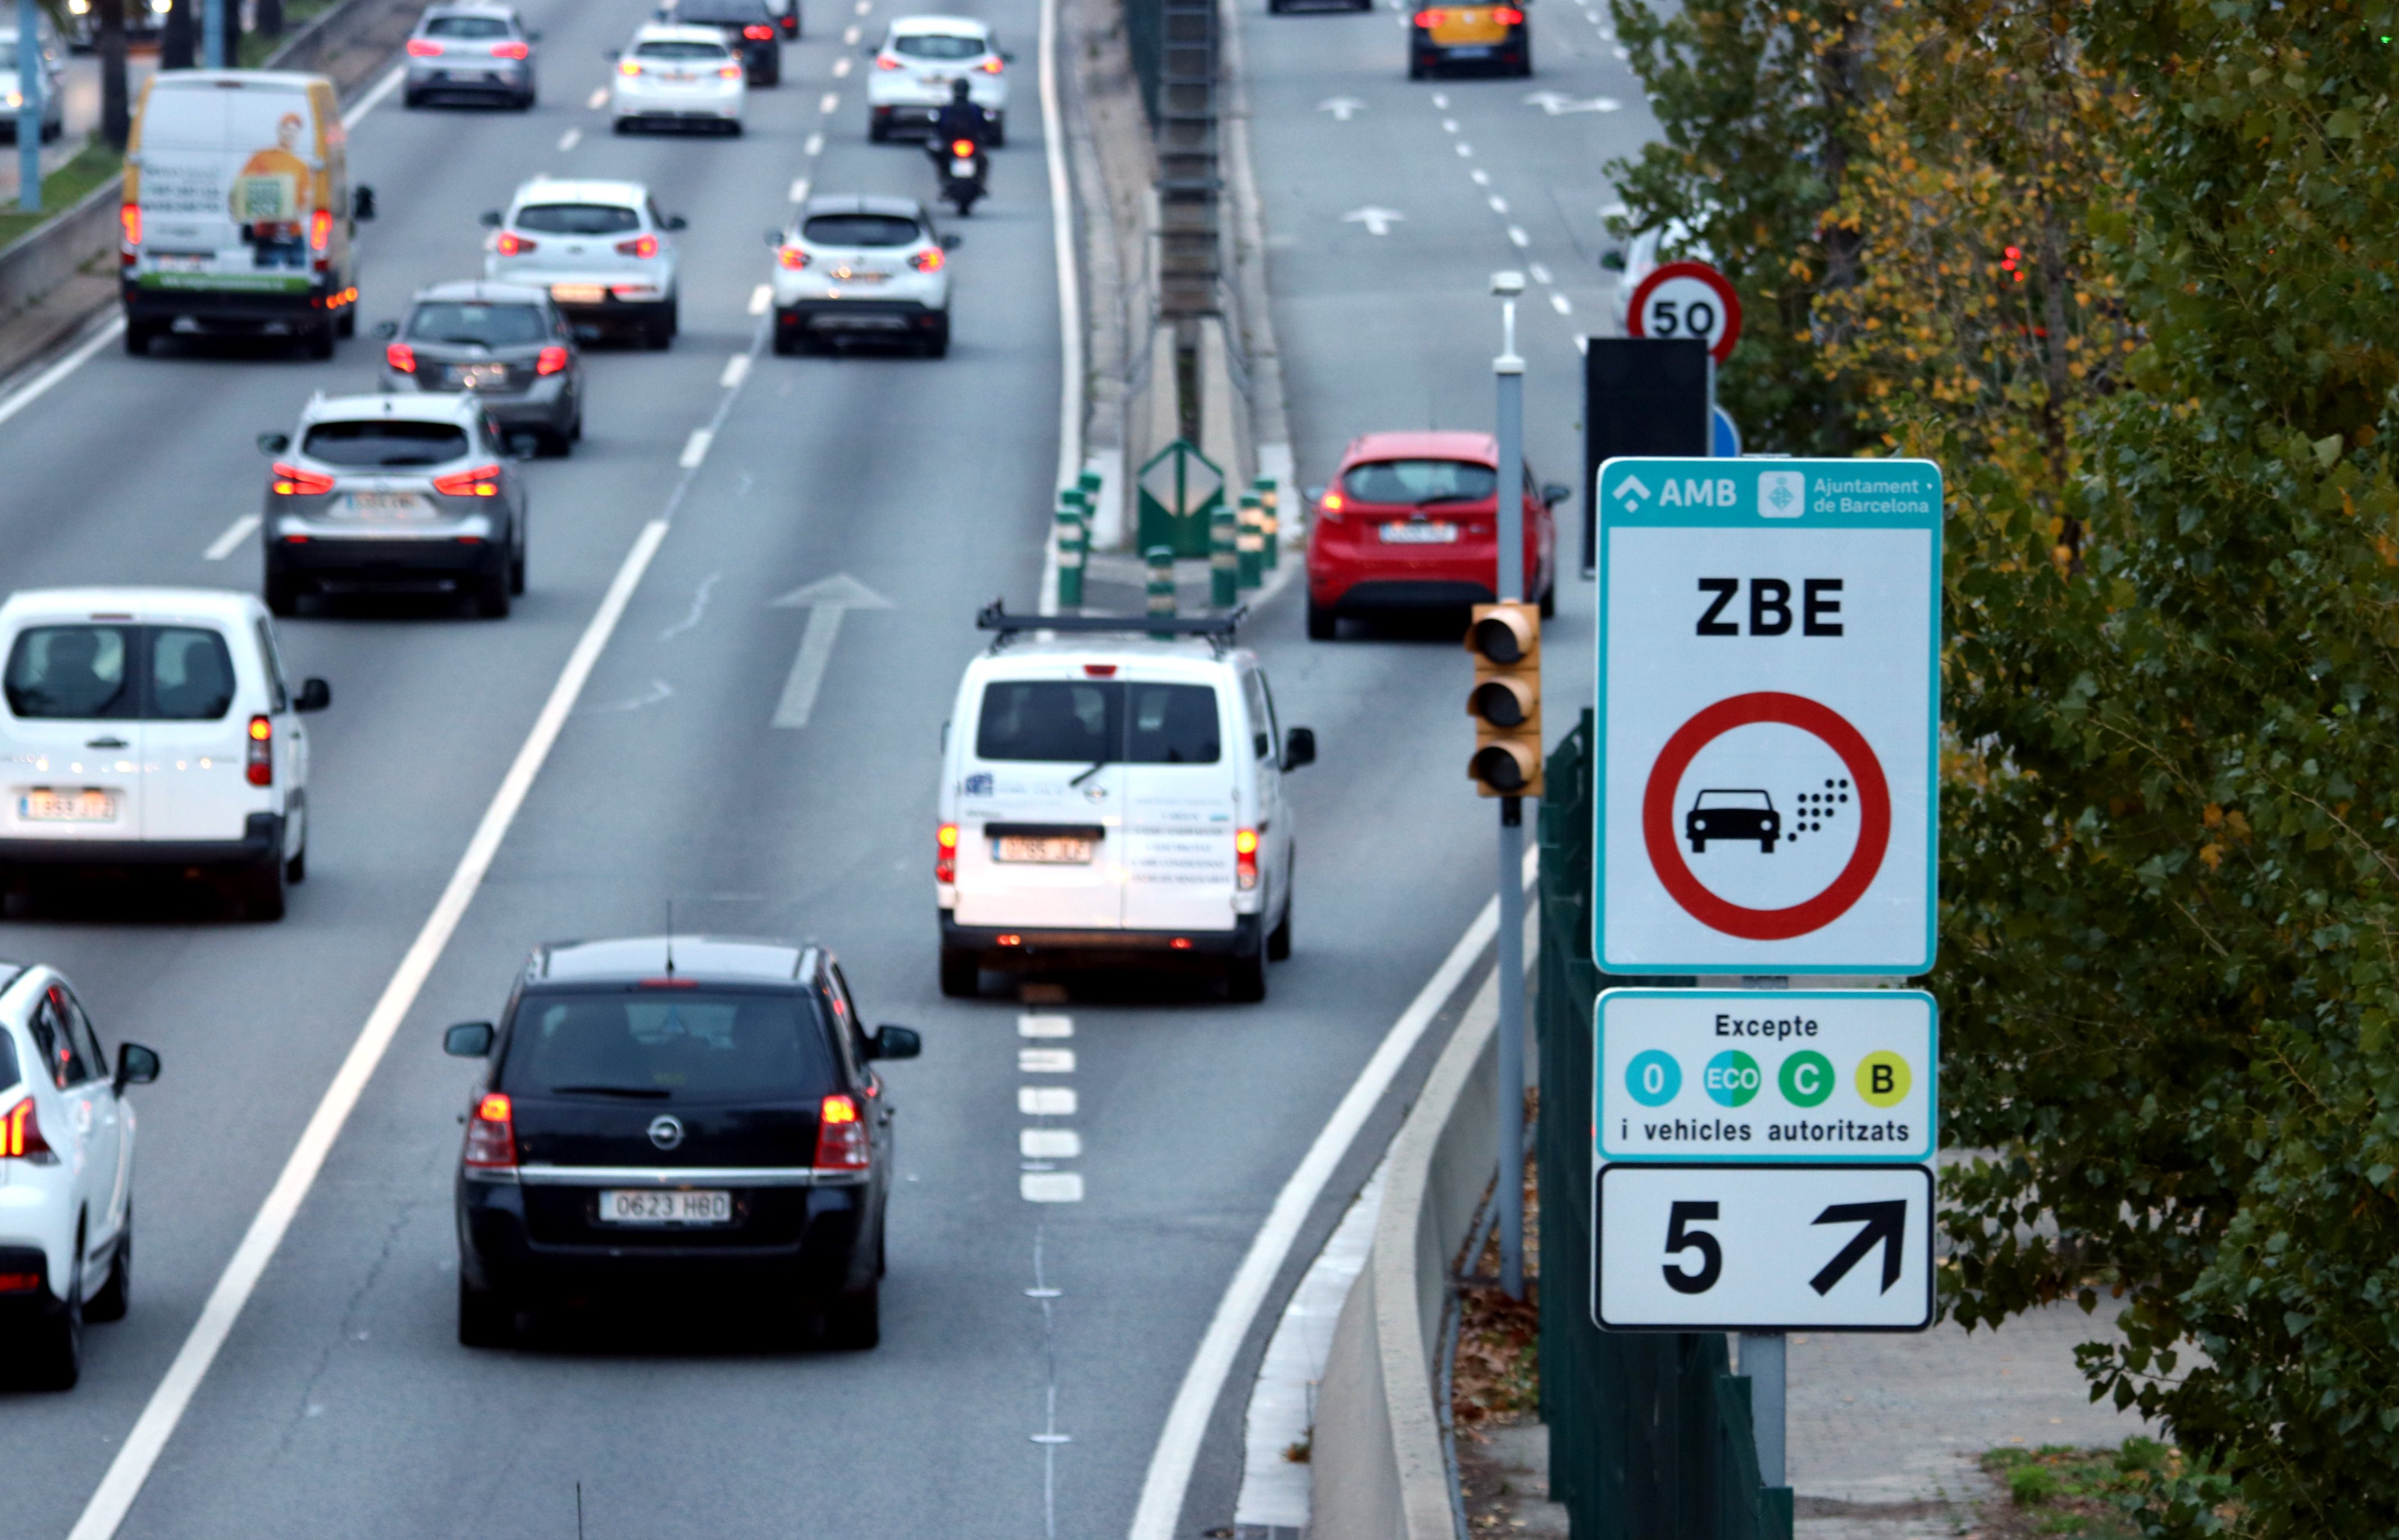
(504, 344)
(471, 52)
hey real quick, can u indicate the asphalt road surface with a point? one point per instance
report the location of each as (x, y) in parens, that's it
(342, 1404)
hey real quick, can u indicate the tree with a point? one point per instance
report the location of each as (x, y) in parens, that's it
(108, 41)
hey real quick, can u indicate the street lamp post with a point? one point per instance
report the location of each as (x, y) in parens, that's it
(32, 82)
(1510, 1192)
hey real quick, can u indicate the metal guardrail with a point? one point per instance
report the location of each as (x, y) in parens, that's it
(1650, 1434)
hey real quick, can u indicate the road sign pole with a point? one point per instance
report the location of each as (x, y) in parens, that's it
(213, 33)
(1762, 1359)
(1510, 1192)
(32, 82)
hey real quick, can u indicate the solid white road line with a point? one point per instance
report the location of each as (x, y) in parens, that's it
(695, 449)
(799, 193)
(760, 298)
(735, 369)
(235, 533)
(367, 103)
(114, 1497)
(1186, 1422)
(598, 100)
(570, 138)
(1070, 295)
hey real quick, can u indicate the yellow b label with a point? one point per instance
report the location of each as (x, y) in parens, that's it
(1883, 1079)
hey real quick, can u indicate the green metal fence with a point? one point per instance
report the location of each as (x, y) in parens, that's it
(1650, 1435)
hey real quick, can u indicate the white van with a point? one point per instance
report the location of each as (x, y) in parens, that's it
(238, 214)
(1107, 797)
(153, 727)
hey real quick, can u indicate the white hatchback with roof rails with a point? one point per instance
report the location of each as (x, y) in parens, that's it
(1110, 799)
(920, 59)
(153, 728)
(601, 249)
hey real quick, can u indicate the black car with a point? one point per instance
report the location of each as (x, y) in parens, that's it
(750, 29)
(504, 344)
(683, 1118)
(1733, 815)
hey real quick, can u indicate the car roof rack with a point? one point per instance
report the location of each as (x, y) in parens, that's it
(1217, 629)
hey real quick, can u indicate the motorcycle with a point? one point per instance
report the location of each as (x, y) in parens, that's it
(958, 166)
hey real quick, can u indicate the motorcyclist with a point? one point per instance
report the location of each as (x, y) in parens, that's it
(961, 119)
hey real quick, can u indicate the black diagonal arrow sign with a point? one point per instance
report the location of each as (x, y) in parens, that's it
(1885, 1222)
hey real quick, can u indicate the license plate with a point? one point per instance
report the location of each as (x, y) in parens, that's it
(482, 376)
(681, 76)
(619, 1206)
(179, 261)
(579, 294)
(858, 274)
(88, 806)
(1420, 535)
(1053, 850)
(961, 167)
(1476, 52)
(387, 505)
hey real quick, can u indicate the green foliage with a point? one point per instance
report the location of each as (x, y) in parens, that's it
(2060, 1490)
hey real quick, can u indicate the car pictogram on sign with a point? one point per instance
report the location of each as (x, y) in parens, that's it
(1733, 815)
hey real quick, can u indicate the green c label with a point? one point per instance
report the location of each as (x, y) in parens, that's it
(1807, 1078)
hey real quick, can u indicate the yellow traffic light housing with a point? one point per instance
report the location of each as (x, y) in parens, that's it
(1506, 702)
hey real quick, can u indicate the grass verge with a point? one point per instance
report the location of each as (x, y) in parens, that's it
(93, 165)
(2057, 1490)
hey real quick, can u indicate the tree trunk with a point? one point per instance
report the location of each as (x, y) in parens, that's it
(116, 113)
(179, 44)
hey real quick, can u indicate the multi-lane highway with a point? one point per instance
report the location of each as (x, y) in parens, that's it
(341, 1403)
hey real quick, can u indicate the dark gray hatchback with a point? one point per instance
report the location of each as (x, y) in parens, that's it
(680, 1118)
(504, 344)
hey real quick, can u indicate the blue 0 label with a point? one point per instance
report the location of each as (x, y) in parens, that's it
(1653, 1079)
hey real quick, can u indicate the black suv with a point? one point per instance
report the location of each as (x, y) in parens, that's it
(683, 1117)
(750, 29)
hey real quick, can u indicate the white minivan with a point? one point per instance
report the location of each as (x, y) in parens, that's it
(153, 728)
(1111, 799)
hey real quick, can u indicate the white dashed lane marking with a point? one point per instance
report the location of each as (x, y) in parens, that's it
(1560, 303)
(1040, 1181)
(1045, 1100)
(841, 68)
(1045, 1026)
(799, 193)
(831, 101)
(599, 99)
(1050, 1145)
(850, 36)
(1050, 1187)
(1045, 1061)
(695, 449)
(735, 369)
(1541, 274)
(760, 298)
(813, 145)
(570, 138)
(235, 533)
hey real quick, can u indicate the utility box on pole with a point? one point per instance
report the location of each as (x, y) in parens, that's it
(1641, 396)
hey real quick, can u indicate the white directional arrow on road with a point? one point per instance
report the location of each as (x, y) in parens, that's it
(1379, 221)
(1341, 107)
(1554, 102)
(825, 601)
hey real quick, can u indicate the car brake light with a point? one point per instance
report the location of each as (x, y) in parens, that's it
(320, 235)
(1429, 19)
(128, 221)
(1100, 670)
(929, 261)
(291, 482)
(492, 1132)
(884, 62)
(1245, 858)
(481, 482)
(945, 854)
(21, 1135)
(261, 768)
(728, 71)
(510, 50)
(1331, 504)
(19, 1283)
(629, 66)
(990, 65)
(791, 257)
(962, 148)
(510, 244)
(424, 48)
(759, 33)
(1508, 15)
(640, 246)
(550, 360)
(842, 1143)
(400, 356)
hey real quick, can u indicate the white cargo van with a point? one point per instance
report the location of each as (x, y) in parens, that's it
(238, 213)
(1110, 799)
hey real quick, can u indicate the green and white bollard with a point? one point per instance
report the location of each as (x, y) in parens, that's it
(1271, 519)
(1224, 558)
(1161, 584)
(1074, 545)
(1251, 543)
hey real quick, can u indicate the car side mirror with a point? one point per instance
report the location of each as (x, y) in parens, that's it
(273, 444)
(468, 1040)
(386, 330)
(315, 696)
(135, 1065)
(1612, 261)
(1299, 747)
(676, 222)
(894, 1043)
(362, 203)
(489, 219)
(1553, 494)
(1313, 494)
(951, 243)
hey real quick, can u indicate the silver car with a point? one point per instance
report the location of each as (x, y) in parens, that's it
(471, 52)
(862, 269)
(504, 344)
(403, 494)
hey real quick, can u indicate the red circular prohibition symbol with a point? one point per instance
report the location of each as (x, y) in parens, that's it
(1874, 816)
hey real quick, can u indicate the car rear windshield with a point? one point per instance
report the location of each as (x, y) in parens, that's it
(1097, 721)
(860, 230)
(676, 49)
(579, 219)
(120, 673)
(9, 1072)
(710, 13)
(489, 325)
(466, 26)
(669, 1044)
(388, 443)
(937, 44)
(1421, 481)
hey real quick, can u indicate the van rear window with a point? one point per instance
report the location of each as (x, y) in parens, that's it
(1098, 722)
(669, 1045)
(120, 673)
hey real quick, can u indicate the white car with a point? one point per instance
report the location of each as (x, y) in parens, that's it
(51, 77)
(679, 75)
(920, 58)
(866, 269)
(1111, 800)
(66, 1175)
(153, 728)
(601, 249)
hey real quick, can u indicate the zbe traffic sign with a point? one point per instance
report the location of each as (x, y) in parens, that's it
(1769, 715)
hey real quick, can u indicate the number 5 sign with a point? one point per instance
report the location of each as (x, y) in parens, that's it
(1686, 299)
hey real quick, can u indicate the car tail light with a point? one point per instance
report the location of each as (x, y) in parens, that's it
(424, 48)
(321, 236)
(550, 360)
(1508, 15)
(1331, 506)
(884, 62)
(1100, 670)
(640, 246)
(945, 854)
(400, 356)
(261, 766)
(129, 222)
(791, 257)
(842, 1144)
(492, 1132)
(21, 1135)
(990, 65)
(1429, 19)
(928, 261)
(759, 33)
(1245, 858)
(728, 71)
(629, 66)
(510, 50)
(962, 148)
(291, 482)
(19, 1283)
(510, 244)
(481, 482)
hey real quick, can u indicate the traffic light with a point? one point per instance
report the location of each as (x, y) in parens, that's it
(1505, 705)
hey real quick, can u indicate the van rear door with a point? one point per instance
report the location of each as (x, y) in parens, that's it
(1180, 807)
(1039, 805)
(72, 731)
(229, 175)
(197, 743)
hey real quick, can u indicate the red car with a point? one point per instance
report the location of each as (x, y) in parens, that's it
(1410, 522)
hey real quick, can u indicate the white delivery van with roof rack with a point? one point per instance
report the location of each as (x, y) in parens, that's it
(1109, 798)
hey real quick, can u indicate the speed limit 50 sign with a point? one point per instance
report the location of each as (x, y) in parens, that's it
(1686, 299)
